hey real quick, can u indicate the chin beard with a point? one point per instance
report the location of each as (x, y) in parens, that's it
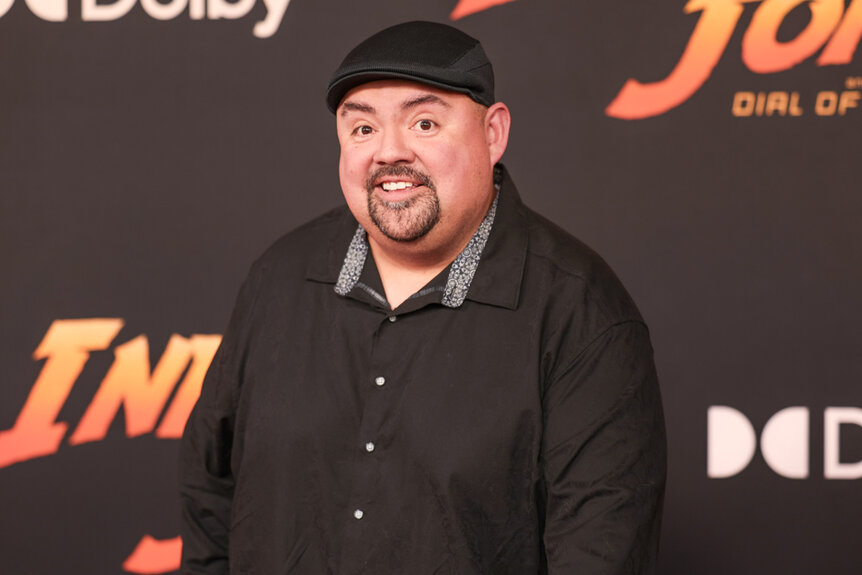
(407, 220)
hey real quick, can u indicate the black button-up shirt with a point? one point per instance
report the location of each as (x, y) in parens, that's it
(513, 428)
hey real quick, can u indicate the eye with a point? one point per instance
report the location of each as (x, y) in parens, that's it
(363, 130)
(425, 125)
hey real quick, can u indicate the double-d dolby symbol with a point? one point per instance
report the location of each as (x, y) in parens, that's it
(784, 442)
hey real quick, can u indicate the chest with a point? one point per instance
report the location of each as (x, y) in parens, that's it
(452, 391)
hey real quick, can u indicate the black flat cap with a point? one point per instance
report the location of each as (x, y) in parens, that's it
(426, 52)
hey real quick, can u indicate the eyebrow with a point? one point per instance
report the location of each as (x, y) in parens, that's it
(347, 107)
(424, 99)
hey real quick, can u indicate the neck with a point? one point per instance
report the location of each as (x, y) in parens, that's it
(405, 267)
(403, 272)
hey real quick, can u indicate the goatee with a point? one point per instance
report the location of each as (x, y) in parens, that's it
(406, 220)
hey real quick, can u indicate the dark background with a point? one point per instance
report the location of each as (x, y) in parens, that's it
(144, 164)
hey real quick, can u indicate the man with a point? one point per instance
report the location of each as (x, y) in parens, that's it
(434, 380)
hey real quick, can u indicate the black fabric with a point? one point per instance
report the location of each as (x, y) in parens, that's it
(426, 52)
(519, 433)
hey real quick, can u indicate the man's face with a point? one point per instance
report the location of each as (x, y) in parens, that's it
(416, 163)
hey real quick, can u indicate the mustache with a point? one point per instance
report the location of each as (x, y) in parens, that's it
(398, 171)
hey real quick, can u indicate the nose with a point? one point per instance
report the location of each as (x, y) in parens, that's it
(393, 148)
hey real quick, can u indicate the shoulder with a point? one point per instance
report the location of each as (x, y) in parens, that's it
(309, 245)
(571, 266)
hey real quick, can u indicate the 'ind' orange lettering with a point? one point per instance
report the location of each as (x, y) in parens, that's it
(203, 350)
(66, 346)
(128, 384)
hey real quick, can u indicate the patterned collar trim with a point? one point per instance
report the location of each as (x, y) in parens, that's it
(461, 271)
(464, 267)
(354, 261)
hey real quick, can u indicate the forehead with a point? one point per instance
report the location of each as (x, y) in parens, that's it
(395, 95)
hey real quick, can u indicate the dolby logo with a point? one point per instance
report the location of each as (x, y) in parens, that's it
(91, 11)
(784, 442)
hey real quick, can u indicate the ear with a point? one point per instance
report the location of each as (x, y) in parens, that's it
(497, 123)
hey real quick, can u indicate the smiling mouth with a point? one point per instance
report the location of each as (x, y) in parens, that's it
(394, 179)
(393, 186)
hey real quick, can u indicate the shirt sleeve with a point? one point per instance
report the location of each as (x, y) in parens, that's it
(206, 481)
(604, 458)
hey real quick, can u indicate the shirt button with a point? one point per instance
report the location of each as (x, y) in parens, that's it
(369, 447)
(358, 514)
(379, 380)
(393, 318)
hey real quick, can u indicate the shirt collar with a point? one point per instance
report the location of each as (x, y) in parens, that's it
(488, 270)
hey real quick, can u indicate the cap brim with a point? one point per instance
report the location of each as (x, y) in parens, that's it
(339, 89)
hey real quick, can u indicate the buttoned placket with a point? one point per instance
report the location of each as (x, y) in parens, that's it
(381, 388)
(381, 396)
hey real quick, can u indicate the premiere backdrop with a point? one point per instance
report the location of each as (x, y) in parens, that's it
(709, 149)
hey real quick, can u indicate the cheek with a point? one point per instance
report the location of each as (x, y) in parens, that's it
(351, 169)
(357, 157)
(462, 186)
(465, 153)
(352, 176)
(461, 166)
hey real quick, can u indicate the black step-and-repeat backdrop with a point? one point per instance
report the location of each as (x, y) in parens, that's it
(709, 149)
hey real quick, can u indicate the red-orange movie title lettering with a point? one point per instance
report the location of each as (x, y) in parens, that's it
(846, 38)
(467, 7)
(128, 385)
(152, 556)
(66, 346)
(761, 51)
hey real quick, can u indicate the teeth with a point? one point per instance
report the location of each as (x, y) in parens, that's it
(390, 186)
